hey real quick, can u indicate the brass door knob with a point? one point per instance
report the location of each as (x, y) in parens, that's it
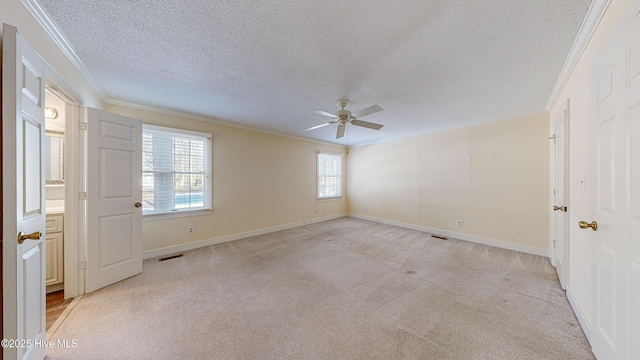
(586, 225)
(137, 204)
(33, 236)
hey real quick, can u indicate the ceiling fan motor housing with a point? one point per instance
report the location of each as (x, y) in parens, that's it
(342, 104)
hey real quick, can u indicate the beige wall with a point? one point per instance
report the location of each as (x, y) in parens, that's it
(494, 177)
(259, 181)
(578, 91)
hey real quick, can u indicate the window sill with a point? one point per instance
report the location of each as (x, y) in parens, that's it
(175, 215)
(329, 199)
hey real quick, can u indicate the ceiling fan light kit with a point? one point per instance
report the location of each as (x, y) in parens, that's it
(343, 117)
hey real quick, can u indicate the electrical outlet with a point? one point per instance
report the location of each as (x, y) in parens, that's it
(190, 230)
(364, 209)
(459, 223)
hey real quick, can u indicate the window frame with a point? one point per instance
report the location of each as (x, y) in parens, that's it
(340, 182)
(208, 171)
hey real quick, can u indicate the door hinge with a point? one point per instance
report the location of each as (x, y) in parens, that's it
(82, 265)
(82, 196)
(83, 126)
(554, 192)
(554, 244)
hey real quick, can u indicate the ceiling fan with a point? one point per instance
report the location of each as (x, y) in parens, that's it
(343, 117)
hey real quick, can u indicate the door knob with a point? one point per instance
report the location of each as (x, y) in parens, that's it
(33, 236)
(586, 225)
(137, 204)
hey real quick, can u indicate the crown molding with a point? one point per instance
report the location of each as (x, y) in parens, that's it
(513, 116)
(196, 117)
(589, 24)
(43, 19)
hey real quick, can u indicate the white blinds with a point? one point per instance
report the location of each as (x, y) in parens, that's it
(175, 170)
(329, 175)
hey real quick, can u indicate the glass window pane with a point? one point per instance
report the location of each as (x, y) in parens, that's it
(329, 175)
(175, 169)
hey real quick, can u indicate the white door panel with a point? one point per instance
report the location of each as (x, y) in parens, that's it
(616, 155)
(114, 244)
(23, 197)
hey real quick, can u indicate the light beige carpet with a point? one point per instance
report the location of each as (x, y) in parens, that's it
(342, 289)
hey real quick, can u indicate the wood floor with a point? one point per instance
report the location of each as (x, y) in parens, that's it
(55, 306)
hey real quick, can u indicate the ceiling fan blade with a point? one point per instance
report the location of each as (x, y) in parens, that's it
(340, 133)
(325, 113)
(319, 126)
(366, 111)
(366, 124)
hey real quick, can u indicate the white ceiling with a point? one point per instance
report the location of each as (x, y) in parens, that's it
(431, 65)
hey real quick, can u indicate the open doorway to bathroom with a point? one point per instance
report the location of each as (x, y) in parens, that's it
(55, 170)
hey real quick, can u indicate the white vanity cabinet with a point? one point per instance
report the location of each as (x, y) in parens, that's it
(55, 252)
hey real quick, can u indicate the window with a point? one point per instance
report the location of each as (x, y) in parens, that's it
(176, 170)
(329, 176)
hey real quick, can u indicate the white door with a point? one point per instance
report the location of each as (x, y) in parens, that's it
(616, 197)
(560, 192)
(23, 80)
(114, 196)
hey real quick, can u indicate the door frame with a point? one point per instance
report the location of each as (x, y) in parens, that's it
(74, 183)
(564, 275)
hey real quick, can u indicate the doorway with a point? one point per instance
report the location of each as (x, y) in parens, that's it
(58, 119)
(560, 195)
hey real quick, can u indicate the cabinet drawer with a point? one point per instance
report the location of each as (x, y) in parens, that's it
(55, 223)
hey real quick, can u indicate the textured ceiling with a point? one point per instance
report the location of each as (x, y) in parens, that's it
(431, 65)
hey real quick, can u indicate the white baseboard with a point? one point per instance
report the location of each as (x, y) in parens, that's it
(471, 238)
(150, 254)
(584, 323)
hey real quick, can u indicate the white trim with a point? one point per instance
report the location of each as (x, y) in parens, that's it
(584, 322)
(74, 207)
(589, 24)
(329, 153)
(191, 116)
(471, 238)
(341, 176)
(334, 198)
(60, 87)
(175, 214)
(59, 39)
(169, 129)
(52, 330)
(169, 250)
